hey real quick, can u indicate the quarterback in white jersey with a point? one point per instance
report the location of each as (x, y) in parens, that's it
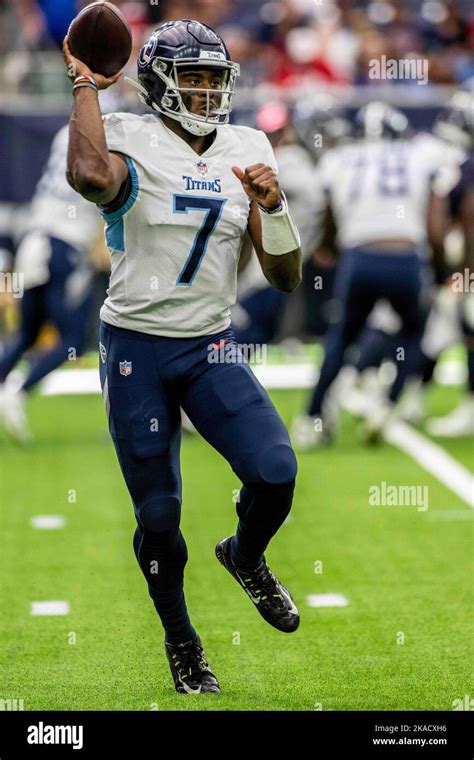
(176, 248)
(178, 204)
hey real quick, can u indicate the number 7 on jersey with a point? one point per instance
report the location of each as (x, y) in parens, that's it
(213, 208)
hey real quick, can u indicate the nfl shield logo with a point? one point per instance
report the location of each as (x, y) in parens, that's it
(125, 368)
(201, 167)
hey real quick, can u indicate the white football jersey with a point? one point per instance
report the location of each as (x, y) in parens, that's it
(176, 242)
(56, 209)
(378, 190)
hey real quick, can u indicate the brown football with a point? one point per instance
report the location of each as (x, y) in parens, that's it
(101, 38)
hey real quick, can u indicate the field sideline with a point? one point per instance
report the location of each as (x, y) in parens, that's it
(406, 575)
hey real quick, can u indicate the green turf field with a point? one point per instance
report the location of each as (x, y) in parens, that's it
(407, 575)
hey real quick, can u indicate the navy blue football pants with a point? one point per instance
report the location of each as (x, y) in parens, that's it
(49, 303)
(145, 380)
(364, 277)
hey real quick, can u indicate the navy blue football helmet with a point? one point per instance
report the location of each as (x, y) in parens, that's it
(178, 46)
(455, 124)
(379, 120)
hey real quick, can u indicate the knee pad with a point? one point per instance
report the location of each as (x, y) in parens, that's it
(159, 515)
(276, 465)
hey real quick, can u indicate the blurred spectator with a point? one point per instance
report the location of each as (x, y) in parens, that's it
(288, 42)
(45, 22)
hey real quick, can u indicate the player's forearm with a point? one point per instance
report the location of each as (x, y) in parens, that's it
(88, 163)
(283, 272)
(277, 245)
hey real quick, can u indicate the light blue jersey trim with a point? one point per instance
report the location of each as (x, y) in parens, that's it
(114, 230)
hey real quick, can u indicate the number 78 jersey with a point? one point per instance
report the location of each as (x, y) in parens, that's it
(379, 190)
(175, 243)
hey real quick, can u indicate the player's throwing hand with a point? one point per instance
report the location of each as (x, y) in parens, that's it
(260, 183)
(76, 68)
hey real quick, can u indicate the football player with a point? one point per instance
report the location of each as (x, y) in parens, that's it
(52, 262)
(377, 193)
(457, 122)
(448, 150)
(179, 189)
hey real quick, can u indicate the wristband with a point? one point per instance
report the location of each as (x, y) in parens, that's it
(84, 80)
(279, 233)
(85, 84)
(272, 210)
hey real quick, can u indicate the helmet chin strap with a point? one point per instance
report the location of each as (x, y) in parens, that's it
(200, 130)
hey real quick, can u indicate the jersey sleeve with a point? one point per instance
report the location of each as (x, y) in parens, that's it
(115, 132)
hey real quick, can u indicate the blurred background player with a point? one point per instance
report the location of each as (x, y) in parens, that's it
(458, 124)
(52, 265)
(443, 150)
(260, 308)
(446, 150)
(377, 193)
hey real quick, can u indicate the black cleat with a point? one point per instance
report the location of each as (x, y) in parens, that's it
(272, 600)
(190, 669)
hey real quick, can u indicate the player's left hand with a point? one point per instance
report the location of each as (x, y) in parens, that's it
(260, 183)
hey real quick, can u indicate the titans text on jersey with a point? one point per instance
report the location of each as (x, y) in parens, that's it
(175, 245)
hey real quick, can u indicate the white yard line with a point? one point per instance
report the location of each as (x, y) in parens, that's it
(327, 600)
(433, 459)
(49, 608)
(48, 522)
(449, 515)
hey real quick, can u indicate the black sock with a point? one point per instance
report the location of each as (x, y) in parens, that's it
(162, 557)
(262, 510)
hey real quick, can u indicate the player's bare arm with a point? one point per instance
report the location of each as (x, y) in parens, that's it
(283, 271)
(92, 170)
(245, 253)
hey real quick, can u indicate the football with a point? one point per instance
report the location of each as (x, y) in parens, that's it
(101, 38)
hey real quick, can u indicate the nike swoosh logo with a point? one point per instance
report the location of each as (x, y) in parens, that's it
(293, 607)
(255, 599)
(188, 688)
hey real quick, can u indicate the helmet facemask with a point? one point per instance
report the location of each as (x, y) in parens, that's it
(173, 101)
